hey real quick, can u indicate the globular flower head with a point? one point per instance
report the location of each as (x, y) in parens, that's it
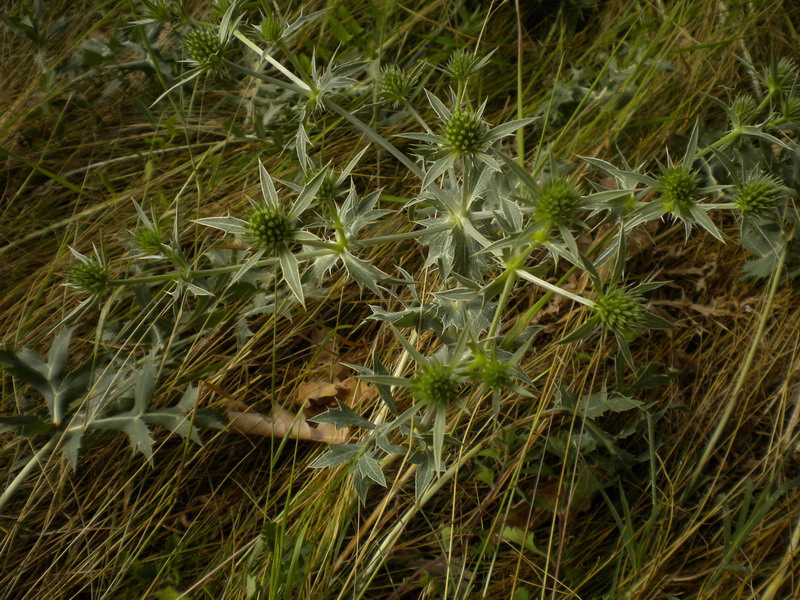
(558, 201)
(745, 109)
(269, 226)
(494, 373)
(271, 29)
(89, 276)
(328, 189)
(464, 131)
(781, 77)
(204, 48)
(461, 64)
(394, 85)
(148, 241)
(620, 310)
(436, 384)
(758, 194)
(680, 189)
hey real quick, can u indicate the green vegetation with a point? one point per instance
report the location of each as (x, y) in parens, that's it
(535, 262)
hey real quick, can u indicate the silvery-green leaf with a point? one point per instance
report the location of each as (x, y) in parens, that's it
(230, 225)
(267, 187)
(247, 265)
(344, 416)
(72, 446)
(441, 110)
(291, 273)
(369, 467)
(508, 128)
(424, 474)
(336, 455)
(363, 272)
(308, 194)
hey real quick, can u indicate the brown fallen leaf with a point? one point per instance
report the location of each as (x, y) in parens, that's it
(283, 424)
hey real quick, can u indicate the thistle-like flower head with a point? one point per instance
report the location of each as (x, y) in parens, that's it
(757, 194)
(558, 201)
(204, 48)
(394, 85)
(464, 132)
(680, 189)
(88, 275)
(620, 310)
(435, 384)
(269, 227)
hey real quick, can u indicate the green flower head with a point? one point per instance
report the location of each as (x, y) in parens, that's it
(204, 48)
(269, 227)
(394, 85)
(89, 277)
(558, 201)
(680, 189)
(620, 310)
(464, 132)
(758, 194)
(435, 384)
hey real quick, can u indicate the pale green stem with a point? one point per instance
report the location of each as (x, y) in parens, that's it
(508, 284)
(743, 373)
(13, 487)
(553, 288)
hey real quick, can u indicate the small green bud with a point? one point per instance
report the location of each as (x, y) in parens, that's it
(758, 195)
(436, 385)
(791, 110)
(745, 109)
(394, 85)
(271, 29)
(464, 132)
(328, 191)
(269, 227)
(460, 65)
(148, 241)
(619, 310)
(90, 277)
(204, 48)
(558, 201)
(679, 187)
(495, 374)
(782, 78)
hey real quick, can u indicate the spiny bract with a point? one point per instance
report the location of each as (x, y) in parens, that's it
(269, 227)
(464, 131)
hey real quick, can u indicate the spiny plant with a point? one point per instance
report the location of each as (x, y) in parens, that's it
(487, 225)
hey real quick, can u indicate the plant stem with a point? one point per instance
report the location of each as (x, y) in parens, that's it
(15, 484)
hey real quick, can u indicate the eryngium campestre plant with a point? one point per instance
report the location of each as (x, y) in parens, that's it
(460, 65)
(463, 132)
(204, 48)
(757, 195)
(679, 187)
(436, 385)
(269, 227)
